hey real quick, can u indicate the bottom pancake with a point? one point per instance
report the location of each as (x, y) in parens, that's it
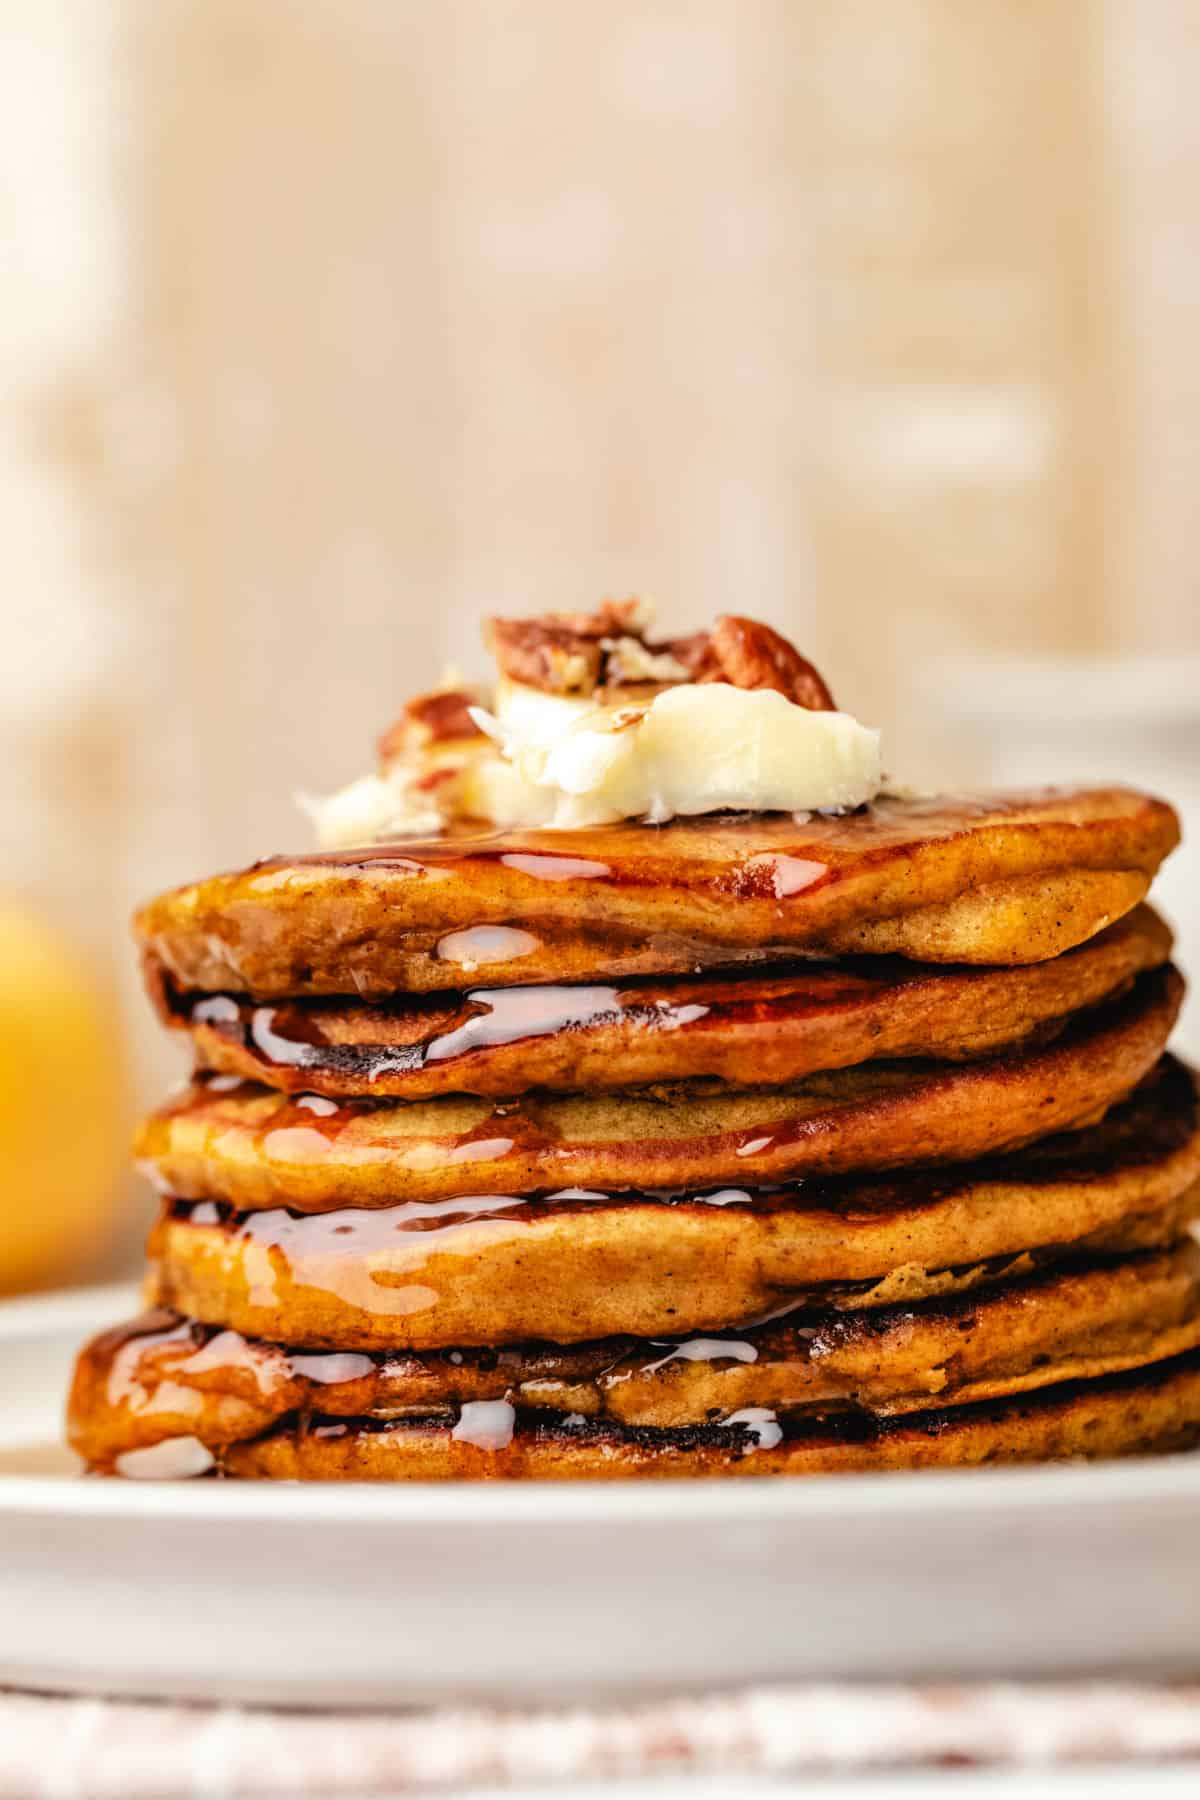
(1152, 1410)
(163, 1377)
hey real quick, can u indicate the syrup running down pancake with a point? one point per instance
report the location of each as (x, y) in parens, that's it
(1008, 878)
(163, 1376)
(490, 1269)
(743, 1029)
(1151, 1410)
(257, 1148)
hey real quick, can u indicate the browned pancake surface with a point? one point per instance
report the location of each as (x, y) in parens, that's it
(491, 1269)
(254, 1147)
(163, 1376)
(999, 878)
(745, 1029)
(1155, 1409)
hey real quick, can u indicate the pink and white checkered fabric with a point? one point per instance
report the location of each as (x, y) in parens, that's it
(93, 1749)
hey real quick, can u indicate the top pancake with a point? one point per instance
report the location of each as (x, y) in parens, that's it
(1001, 878)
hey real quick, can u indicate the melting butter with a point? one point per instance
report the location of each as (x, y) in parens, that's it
(690, 749)
(564, 761)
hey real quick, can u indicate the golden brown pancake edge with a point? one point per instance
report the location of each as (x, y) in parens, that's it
(254, 1147)
(496, 1269)
(781, 1024)
(163, 1376)
(1145, 1410)
(998, 878)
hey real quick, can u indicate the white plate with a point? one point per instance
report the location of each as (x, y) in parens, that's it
(357, 1595)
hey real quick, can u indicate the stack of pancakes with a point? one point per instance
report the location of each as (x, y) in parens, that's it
(741, 1145)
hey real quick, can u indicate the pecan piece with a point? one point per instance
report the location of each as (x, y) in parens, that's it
(435, 718)
(541, 653)
(561, 653)
(576, 653)
(634, 663)
(747, 654)
(612, 618)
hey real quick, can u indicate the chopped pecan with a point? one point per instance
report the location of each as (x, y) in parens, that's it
(576, 653)
(435, 718)
(634, 663)
(563, 653)
(546, 653)
(612, 618)
(748, 654)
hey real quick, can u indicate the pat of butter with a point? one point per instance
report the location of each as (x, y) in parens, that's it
(691, 749)
(563, 760)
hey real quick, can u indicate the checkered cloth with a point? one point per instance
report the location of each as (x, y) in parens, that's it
(92, 1749)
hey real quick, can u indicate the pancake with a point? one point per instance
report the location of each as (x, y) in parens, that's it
(1146, 1410)
(256, 1148)
(1000, 878)
(163, 1376)
(569, 1267)
(781, 1025)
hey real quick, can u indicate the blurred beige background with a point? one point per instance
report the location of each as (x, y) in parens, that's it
(329, 325)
